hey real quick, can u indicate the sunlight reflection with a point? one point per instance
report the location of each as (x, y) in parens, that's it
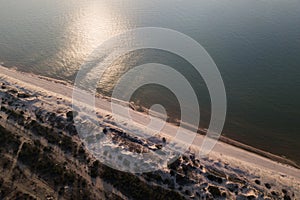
(88, 27)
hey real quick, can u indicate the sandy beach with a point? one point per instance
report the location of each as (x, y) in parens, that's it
(231, 171)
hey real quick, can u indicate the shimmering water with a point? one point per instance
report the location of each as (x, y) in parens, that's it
(255, 44)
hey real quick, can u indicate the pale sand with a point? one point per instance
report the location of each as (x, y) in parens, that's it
(251, 162)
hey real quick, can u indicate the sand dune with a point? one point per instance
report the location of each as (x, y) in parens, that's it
(227, 172)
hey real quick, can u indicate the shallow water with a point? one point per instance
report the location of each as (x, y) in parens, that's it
(255, 45)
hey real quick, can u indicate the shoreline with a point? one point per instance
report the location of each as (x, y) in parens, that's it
(228, 163)
(201, 131)
(63, 84)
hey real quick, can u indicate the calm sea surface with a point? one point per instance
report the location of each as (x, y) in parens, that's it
(255, 44)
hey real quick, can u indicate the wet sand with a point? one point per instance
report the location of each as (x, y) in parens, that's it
(225, 159)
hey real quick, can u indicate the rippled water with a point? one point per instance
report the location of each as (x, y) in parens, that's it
(255, 44)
